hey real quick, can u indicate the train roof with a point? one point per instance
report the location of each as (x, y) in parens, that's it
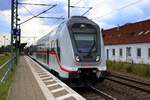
(80, 19)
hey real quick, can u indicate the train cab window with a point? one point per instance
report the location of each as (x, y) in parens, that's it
(85, 42)
(85, 37)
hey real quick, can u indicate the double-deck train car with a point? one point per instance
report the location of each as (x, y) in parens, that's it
(74, 50)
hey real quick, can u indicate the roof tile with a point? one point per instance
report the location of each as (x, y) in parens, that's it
(130, 33)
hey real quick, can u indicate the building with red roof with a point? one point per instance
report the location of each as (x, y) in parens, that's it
(130, 42)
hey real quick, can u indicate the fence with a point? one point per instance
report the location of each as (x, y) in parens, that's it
(6, 68)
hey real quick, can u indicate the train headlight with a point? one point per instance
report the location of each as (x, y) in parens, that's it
(97, 58)
(77, 58)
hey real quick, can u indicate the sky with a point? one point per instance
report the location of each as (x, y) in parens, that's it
(106, 13)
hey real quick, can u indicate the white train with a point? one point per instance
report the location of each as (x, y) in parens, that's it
(75, 50)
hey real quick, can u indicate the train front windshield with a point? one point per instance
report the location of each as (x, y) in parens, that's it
(85, 38)
(85, 42)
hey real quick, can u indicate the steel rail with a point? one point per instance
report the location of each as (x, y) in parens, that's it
(130, 79)
(105, 95)
(124, 82)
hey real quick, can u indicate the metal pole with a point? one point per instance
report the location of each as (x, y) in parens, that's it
(68, 9)
(12, 26)
(16, 17)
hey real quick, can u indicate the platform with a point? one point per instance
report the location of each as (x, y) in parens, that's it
(32, 82)
(25, 86)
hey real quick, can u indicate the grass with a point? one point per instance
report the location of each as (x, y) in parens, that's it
(2, 71)
(4, 58)
(4, 87)
(142, 70)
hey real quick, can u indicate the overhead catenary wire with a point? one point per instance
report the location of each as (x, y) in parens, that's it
(118, 9)
(37, 14)
(77, 2)
(51, 17)
(57, 18)
(27, 9)
(87, 11)
(28, 36)
(42, 16)
(34, 4)
(89, 8)
(79, 7)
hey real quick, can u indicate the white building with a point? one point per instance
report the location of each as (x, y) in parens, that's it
(128, 43)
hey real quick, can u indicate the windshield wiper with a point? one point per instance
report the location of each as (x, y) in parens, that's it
(91, 49)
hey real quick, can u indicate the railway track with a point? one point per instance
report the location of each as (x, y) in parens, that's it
(103, 94)
(130, 82)
(92, 93)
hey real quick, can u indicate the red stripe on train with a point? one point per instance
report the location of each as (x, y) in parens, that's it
(58, 61)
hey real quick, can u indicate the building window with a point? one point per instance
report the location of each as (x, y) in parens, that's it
(113, 52)
(107, 54)
(149, 52)
(120, 52)
(138, 52)
(128, 51)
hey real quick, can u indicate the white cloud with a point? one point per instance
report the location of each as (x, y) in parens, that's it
(99, 9)
(34, 28)
(108, 10)
(6, 14)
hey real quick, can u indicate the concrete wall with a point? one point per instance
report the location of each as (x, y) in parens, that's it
(133, 58)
